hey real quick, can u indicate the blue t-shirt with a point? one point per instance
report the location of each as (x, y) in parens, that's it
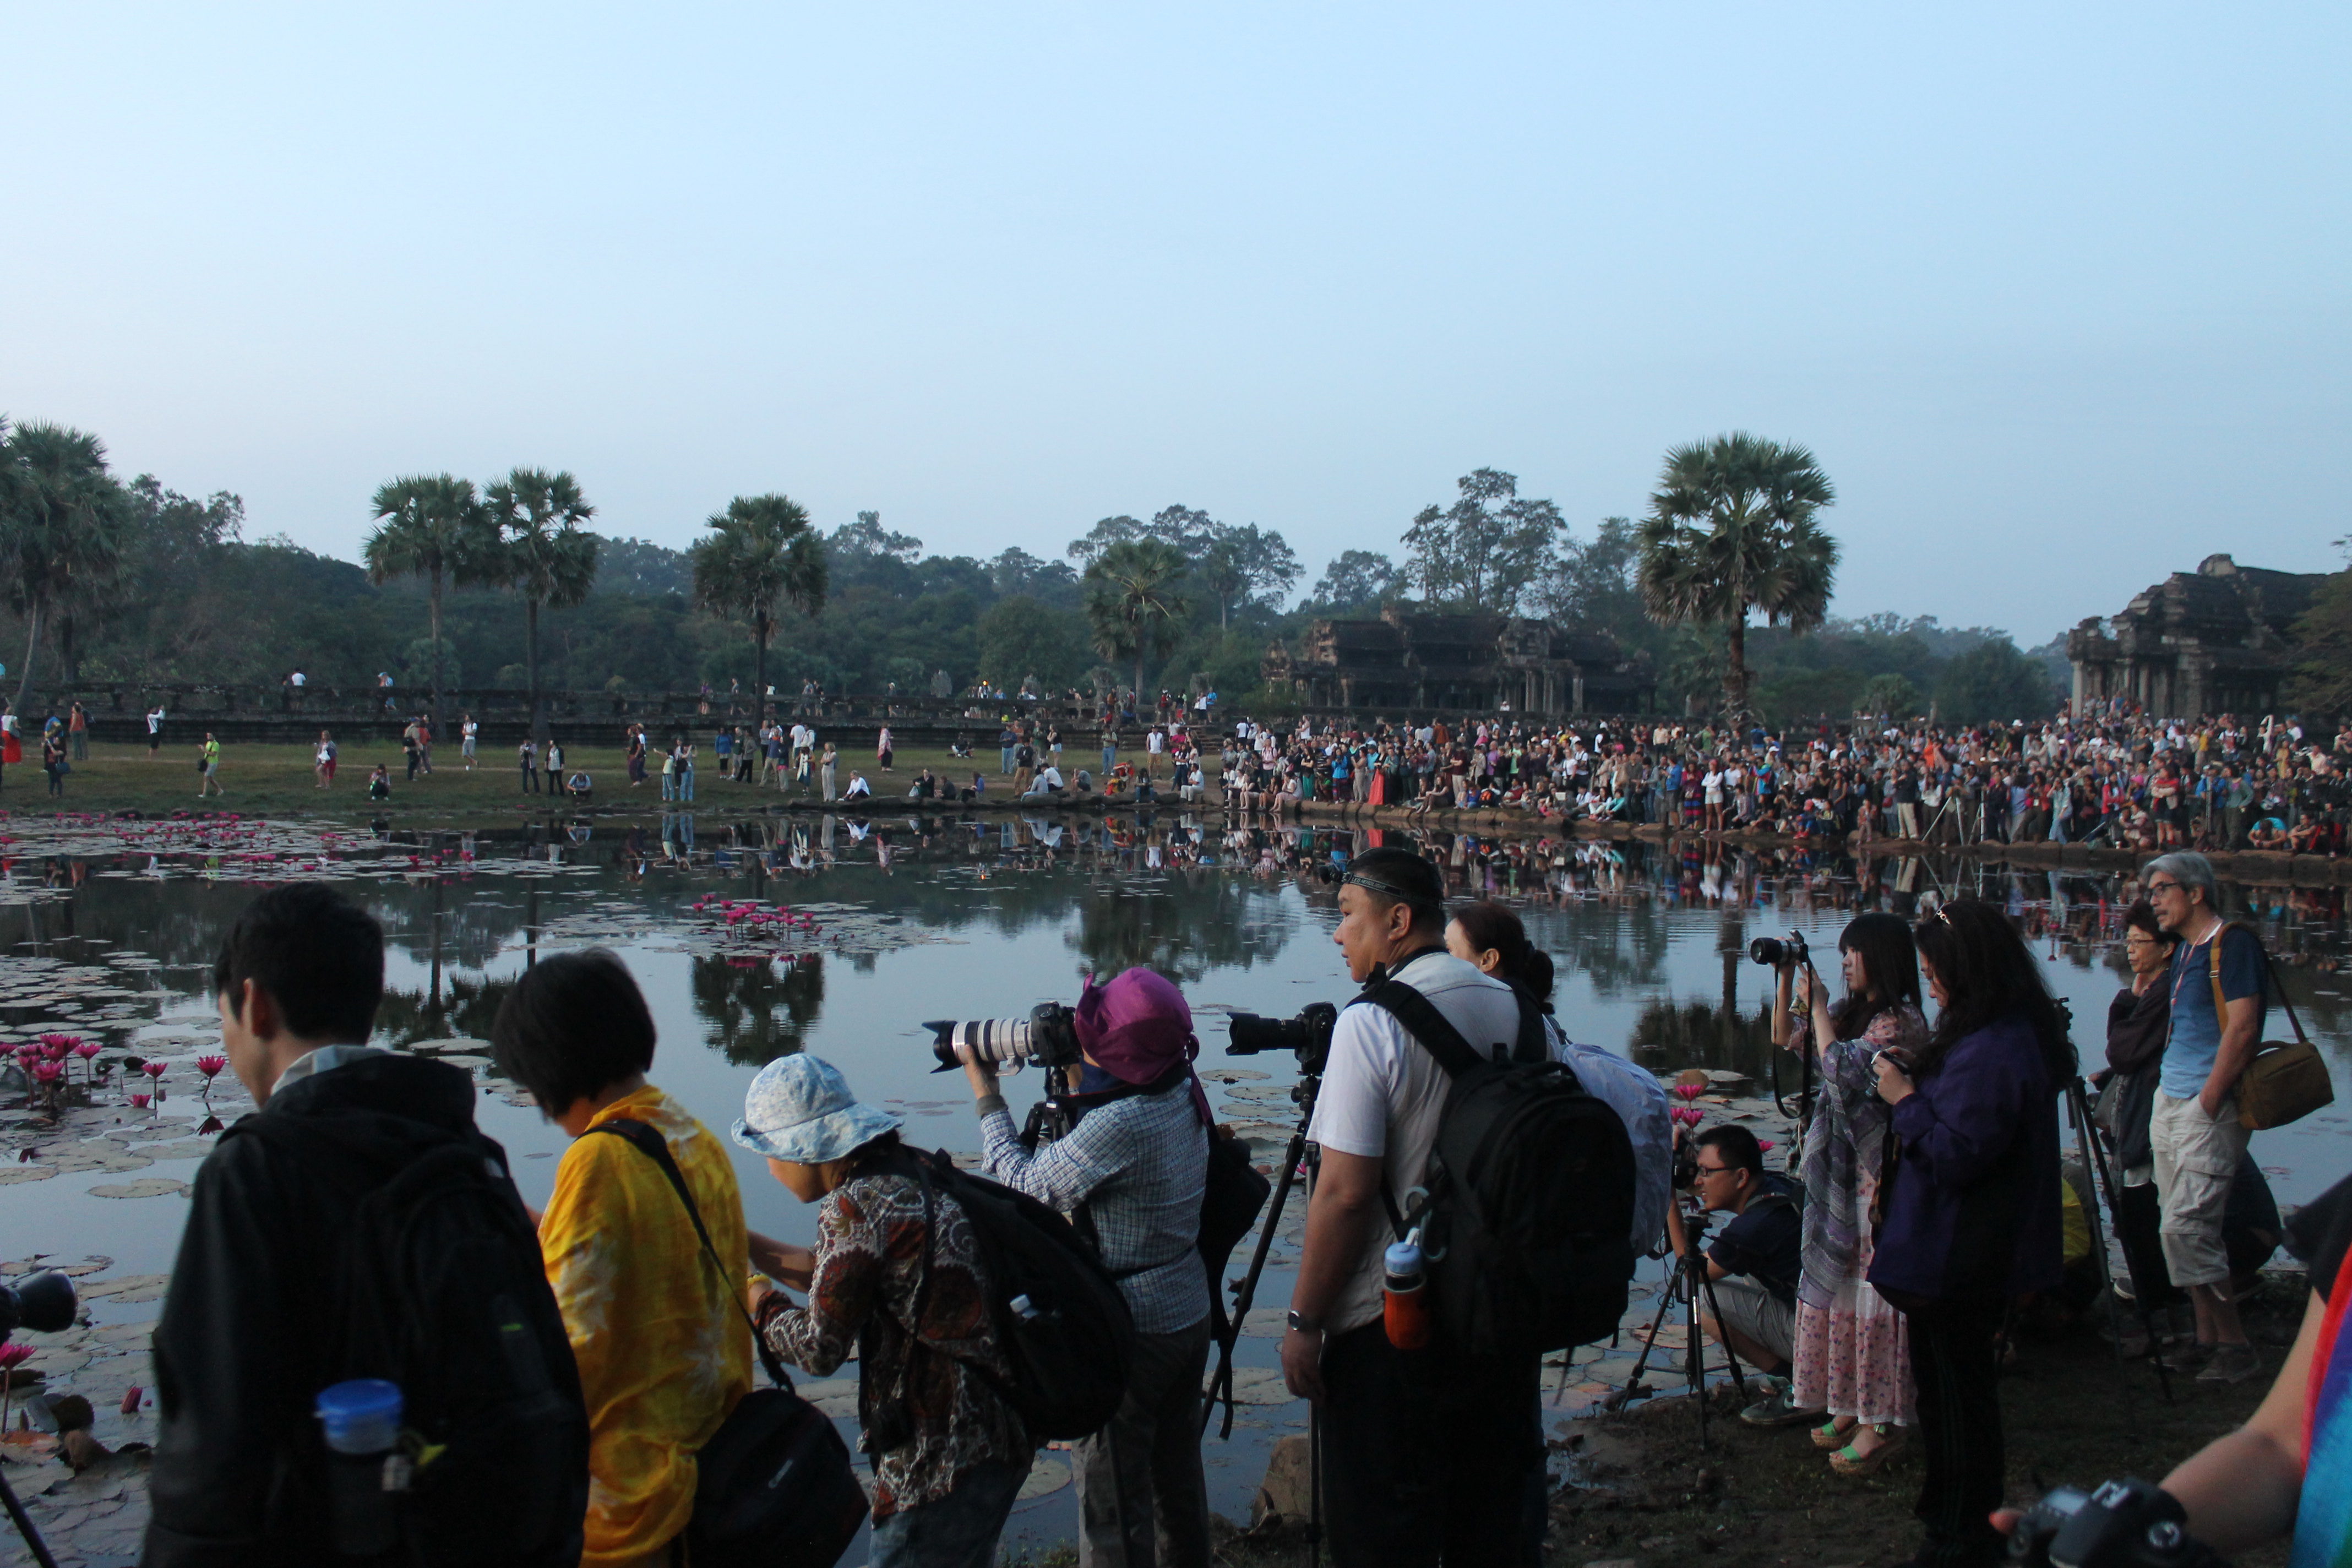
(2196, 1036)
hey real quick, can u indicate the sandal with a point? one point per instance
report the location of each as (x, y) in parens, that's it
(1846, 1462)
(1832, 1436)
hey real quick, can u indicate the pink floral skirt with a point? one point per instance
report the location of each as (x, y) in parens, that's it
(1853, 1358)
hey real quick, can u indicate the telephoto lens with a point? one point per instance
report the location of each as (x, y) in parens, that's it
(43, 1302)
(1009, 1041)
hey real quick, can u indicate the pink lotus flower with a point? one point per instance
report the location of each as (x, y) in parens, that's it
(88, 1049)
(49, 1072)
(155, 1069)
(13, 1356)
(1765, 1143)
(59, 1045)
(1690, 1090)
(211, 1066)
(139, 1101)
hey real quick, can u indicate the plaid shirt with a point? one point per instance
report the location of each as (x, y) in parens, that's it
(1140, 1165)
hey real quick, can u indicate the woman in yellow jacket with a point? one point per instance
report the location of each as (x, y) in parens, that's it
(664, 1353)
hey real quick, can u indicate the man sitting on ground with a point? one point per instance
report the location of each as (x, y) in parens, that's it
(1047, 784)
(1754, 1262)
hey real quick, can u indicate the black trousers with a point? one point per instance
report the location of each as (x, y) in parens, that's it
(1957, 1372)
(1429, 1457)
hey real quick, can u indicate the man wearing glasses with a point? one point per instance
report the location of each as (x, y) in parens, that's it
(2193, 1131)
(1754, 1263)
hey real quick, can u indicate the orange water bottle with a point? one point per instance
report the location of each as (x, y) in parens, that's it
(1405, 1313)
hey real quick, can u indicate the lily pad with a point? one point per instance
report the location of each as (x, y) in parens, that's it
(144, 1187)
(1047, 1474)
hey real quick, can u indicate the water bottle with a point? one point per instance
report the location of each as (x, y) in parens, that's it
(366, 1470)
(1406, 1310)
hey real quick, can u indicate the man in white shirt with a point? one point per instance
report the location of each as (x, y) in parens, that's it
(1429, 1454)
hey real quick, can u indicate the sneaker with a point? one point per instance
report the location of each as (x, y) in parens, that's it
(2230, 1363)
(1777, 1408)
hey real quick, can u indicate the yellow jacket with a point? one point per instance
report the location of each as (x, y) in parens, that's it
(664, 1354)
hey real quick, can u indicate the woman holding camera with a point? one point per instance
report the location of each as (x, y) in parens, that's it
(1851, 1361)
(1971, 1208)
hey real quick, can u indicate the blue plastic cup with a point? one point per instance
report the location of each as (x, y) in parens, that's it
(362, 1416)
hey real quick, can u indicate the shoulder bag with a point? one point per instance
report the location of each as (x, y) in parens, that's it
(774, 1486)
(2286, 1081)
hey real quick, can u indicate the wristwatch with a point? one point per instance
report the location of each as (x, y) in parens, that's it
(1305, 1324)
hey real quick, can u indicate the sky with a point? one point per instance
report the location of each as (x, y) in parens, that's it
(2057, 295)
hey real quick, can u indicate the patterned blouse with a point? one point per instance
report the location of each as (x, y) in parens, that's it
(1846, 1145)
(927, 1415)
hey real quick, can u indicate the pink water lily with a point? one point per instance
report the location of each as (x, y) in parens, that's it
(49, 1072)
(88, 1049)
(210, 1065)
(155, 1069)
(139, 1102)
(1690, 1090)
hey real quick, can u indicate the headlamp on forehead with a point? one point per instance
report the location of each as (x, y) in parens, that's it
(1390, 890)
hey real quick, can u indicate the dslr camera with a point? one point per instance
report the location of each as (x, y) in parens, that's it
(1773, 951)
(1048, 1037)
(2123, 1524)
(1306, 1036)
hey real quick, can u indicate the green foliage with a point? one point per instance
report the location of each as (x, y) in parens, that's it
(1483, 552)
(1356, 583)
(1891, 696)
(2324, 679)
(1134, 600)
(1021, 636)
(760, 554)
(61, 526)
(1993, 683)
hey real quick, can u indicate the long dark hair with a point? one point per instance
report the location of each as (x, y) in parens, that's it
(1988, 974)
(1890, 965)
(1492, 927)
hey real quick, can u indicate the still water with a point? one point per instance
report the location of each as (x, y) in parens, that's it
(112, 930)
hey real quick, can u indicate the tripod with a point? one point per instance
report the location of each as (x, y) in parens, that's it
(1685, 1284)
(33, 1541)
(2102, 1191)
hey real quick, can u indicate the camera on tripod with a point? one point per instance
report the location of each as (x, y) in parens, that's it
(1773, 951)
(43, 1302)
(2122, 1524)
(1306, 1036)
(1048, 1037)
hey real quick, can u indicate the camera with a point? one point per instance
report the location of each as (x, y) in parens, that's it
(1306, 1036)
(2121, 1523)
(43, 1302)
(1048, 1037)
(1772, 952)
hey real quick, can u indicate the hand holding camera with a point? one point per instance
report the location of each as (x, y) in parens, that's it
(2124, 1524)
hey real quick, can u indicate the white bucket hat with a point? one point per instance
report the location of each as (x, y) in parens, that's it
(800, 1109)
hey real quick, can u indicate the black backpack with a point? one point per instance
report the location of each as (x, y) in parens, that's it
(773, 1487)
(1527, 1207)
(443, 1292)
(1059, 1317)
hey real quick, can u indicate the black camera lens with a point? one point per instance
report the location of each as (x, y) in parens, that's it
(1252, 1034)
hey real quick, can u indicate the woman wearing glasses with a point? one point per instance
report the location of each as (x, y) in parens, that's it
(1851, 1361)
(1971, 1208)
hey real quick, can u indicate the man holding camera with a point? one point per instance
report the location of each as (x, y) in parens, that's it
(1753, 1266)
(1132, 1165)
(1430, 1455)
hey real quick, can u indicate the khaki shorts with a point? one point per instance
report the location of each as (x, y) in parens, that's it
(2197, 1157)
(1758, 1315)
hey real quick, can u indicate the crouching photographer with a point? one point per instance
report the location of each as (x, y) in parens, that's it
(1132, 1160)
(1754, 1264)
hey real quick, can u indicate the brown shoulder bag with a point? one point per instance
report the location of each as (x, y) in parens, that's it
(2286, 1081)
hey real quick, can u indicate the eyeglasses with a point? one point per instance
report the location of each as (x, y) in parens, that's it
(1702, 1172)
(2155, 887)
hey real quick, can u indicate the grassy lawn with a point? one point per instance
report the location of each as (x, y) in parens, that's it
(278, 781)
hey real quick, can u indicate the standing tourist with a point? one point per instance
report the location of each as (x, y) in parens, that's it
(896, 1278)
(2216, 989)
(685, 769)
(154, 730)
(326, 761)
(883, 749)
(669, 771)
(1972, 1220)
(527, 755)
(53, 760)
(78, 725)
(830, 771)
(657, 1329)
(633, 751)
(467, 733)
(1109, 741)
(1851, 1361)
(209, 761)
(412, 748)
(1435, 1458)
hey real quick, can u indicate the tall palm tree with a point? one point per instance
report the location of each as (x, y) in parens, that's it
(544, 554)
(432, 526)
(761, 554)
(1731, 531)
(1132, 598)
(61, 522)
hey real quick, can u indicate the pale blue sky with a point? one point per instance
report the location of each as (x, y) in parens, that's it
(2057, 294)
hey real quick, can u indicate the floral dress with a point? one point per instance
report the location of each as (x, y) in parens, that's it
(1852, 1355)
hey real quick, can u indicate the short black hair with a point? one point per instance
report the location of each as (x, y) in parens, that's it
(1402, 877)
(574, 1025)
(1737, 1146)
(319, 955)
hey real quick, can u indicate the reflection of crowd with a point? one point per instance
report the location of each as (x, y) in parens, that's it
(2118, 779)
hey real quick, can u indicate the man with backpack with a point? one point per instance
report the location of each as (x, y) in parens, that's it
(357, 1226)
(1134, 1164)
(1431, 1455)
(1754, 1262)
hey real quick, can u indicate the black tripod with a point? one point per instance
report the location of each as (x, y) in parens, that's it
(1686, 1284)
(2103, 1192)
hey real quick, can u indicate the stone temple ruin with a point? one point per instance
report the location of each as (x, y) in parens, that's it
(2215, 640)
(1409, 661)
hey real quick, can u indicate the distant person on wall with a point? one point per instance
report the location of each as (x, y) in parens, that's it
(209, 764)
(154, 731)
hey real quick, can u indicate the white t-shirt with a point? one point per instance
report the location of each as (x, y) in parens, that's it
(1383, 1095)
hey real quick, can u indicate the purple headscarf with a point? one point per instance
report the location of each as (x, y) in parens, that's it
(1139, 1027)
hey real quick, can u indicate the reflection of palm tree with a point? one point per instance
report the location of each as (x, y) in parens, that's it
(1188, 929)
(740, 999)
(467, 1009)
(1670, 1035)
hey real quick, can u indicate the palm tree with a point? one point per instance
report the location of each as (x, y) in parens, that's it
(60, 524)
(1731, 531)
(544, 554)
(761, 554)
(432, 526)
(1132, 598)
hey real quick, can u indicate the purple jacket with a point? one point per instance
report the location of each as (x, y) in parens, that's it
(1972, 1209)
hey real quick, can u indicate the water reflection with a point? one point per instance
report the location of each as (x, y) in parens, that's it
(756, 1011)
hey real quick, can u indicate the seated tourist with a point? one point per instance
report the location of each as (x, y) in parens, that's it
(580, 786)
(379, 782)
(1047, 785)
(859, 788)
(1755, 1260)
(2267, 833)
